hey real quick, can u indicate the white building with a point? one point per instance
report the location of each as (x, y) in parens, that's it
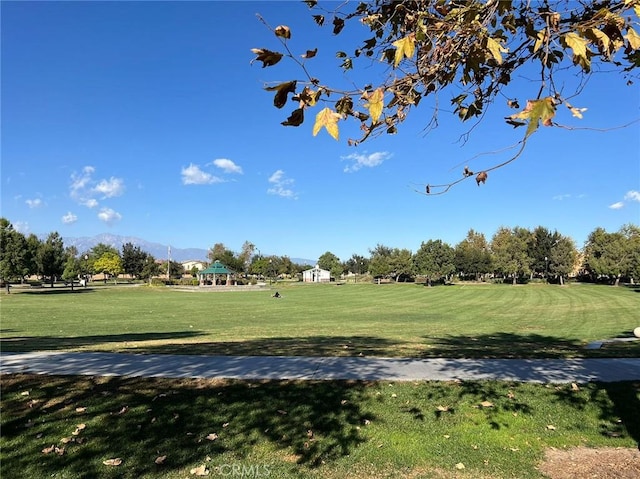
(316, 275)
(188, 265)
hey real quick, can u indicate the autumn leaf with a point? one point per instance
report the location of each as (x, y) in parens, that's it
(543, 110)
(282, 90)
(405, 47)
(116, 461)
(200, 471)
(486, 404)
(267, 57)
(442, 408)
(212, 437)
(579, 47)
(551, 427)
(460, 466)
(633, 38)
(310, 53)
(295, 119)
(375, 104)
(48, 450)
(81, 409)
(481, 178)
(574, 387)
(160, 460)
(282, 31)
(329, 119)
(496, 49)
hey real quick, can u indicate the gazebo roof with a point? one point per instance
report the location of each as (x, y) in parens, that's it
(216, 268)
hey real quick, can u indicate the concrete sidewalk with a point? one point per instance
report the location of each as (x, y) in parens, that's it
(321, 368)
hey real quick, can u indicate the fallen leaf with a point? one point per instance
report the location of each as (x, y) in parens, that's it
(81, 409)
(486, 404)
(551, 428)
(284, 413)
(160, 459)
(460, 466)
(443, 408)
(394, 395)
(123, 410)
(212, 437)
(59, 451)
(574, 387)
(24, 393)
(66, 440)
(116, 461)
(514, 449)
(510, 395)
(48, 450)
(446, 436)
(225, 424)
(200, 471)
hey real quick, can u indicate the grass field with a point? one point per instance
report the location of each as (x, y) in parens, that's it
(67, 427)
(405, 320)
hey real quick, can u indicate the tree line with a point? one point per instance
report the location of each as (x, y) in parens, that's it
(513, 254)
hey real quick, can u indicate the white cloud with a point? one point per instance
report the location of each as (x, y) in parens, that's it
(34, 203)
(21, 227)
(193, 175)
(84, 188)
(69, 218)
(281, 185)
(109, 216)
(632, 195)
(360, 161)
(227, 166)
(110, 188)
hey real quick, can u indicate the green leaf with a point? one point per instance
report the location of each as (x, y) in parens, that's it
(536, 111)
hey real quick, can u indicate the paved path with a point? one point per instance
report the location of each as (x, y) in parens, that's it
(320, 368)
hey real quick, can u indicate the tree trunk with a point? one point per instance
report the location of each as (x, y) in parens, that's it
(561, 280)
(617, 283)
(515, 280)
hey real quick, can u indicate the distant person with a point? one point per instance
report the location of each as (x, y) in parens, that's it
(276, 295)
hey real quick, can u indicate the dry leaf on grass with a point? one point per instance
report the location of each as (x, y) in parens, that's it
(116, 461)
(200, 471)
(48, 450)
(212, 437)
(160, 460)
(81, 409)
(460, 466)
(443, 408)
(486, 404)
(551, 427)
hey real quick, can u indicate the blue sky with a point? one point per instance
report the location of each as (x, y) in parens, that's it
(148, 119)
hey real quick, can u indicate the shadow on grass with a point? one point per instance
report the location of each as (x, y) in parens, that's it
(140, 419)
(282, 346)
(55, 290)
(529, 346)
(56, 343)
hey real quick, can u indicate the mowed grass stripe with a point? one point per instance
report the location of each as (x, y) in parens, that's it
(352, 319)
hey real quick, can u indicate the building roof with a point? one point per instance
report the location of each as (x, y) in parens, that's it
(216, 268)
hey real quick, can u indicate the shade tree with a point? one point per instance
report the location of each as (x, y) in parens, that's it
(434, 260)
(472, 256)
(409, 55)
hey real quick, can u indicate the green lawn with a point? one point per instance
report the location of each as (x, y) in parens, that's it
(66, 427)
(404, 320)
(302, 429)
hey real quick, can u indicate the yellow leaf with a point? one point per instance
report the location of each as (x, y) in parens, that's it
(496, 49)
(540, 36)
(375, 104)
(543, 110)
(486, 404)
(633, 38)
(329, 119)
(459, 466)
(405, 47)
(579, 47)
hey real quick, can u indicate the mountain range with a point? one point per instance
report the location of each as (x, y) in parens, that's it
(157, 250)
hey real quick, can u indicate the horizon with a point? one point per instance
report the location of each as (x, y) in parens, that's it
(150, 121)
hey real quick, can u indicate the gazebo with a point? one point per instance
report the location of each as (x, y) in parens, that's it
(214, 271)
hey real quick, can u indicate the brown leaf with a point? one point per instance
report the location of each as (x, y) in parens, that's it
(282, 90)
(267, 57)
(212, 437)
(49, 450)
(310, 53)
(160, 460)
(59, 451)
(481, 177)
(282, 412)
(443, 408)
(574, 387)
(295, 119)
(486, 404)
(283, 31)
(81, 409)
(116, 461)
(200, 471)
